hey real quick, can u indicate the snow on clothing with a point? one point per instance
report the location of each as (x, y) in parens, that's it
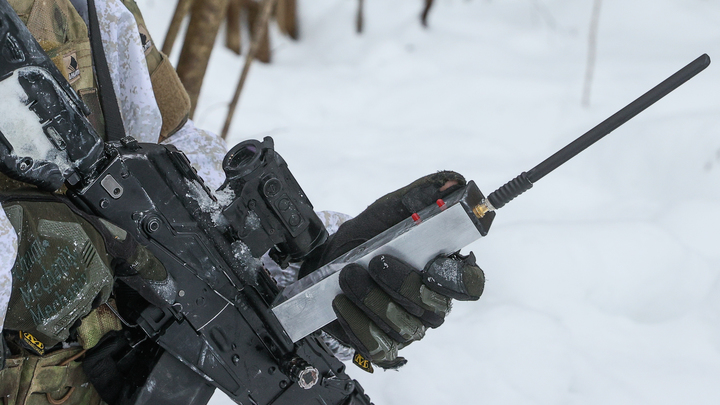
(128, 71)
(140, 114)
(142, 120)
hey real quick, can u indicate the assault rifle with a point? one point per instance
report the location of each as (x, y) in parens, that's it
(228, 326)
(216, 328)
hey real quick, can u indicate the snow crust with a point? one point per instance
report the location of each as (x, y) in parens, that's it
(18, 120)
(208, 204)
(603, 281)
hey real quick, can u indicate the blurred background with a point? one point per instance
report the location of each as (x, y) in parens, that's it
(603, 281)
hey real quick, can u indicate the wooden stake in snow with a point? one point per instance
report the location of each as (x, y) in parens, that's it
(233, 37)
(286, 18)
(425, 12)
(260, 32)
(592, 50)
(205, 19)
(359, 18)
(181, 11)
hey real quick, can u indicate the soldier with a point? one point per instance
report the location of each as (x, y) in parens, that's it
(57, 271)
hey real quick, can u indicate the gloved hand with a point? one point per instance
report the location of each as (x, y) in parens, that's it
(391, 304)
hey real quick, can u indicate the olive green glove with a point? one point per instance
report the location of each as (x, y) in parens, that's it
(391, 304)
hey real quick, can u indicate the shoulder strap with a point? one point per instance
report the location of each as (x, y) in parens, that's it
(114, 128)
(81, 6)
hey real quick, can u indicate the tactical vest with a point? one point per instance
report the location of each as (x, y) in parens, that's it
(62, 280)
(59, 254)
(63, 34)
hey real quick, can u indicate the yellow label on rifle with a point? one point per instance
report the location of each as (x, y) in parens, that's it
(360, 361)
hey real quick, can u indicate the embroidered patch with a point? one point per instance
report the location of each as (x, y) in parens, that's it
(72, 69)
(145, 40)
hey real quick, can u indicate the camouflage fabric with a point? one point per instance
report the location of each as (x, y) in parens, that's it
(152, 54)
(204, 149)
(98, 322)
(64, 36)
(54, 379)
(128, 71)
(152, 101)
(136, 67)
(172, 99)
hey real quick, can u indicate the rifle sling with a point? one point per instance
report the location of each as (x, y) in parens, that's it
(114, 128)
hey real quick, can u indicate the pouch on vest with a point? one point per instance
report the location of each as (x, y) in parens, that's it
(53, 379)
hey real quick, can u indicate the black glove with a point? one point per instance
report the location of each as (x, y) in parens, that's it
(391, 304)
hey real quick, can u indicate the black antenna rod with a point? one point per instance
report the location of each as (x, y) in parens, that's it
(525, 180)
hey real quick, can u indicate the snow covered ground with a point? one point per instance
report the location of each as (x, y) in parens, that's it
(603, 281)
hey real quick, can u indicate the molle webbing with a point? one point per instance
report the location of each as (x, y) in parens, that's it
(172, 99)
(54, 379)
(63, 34)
